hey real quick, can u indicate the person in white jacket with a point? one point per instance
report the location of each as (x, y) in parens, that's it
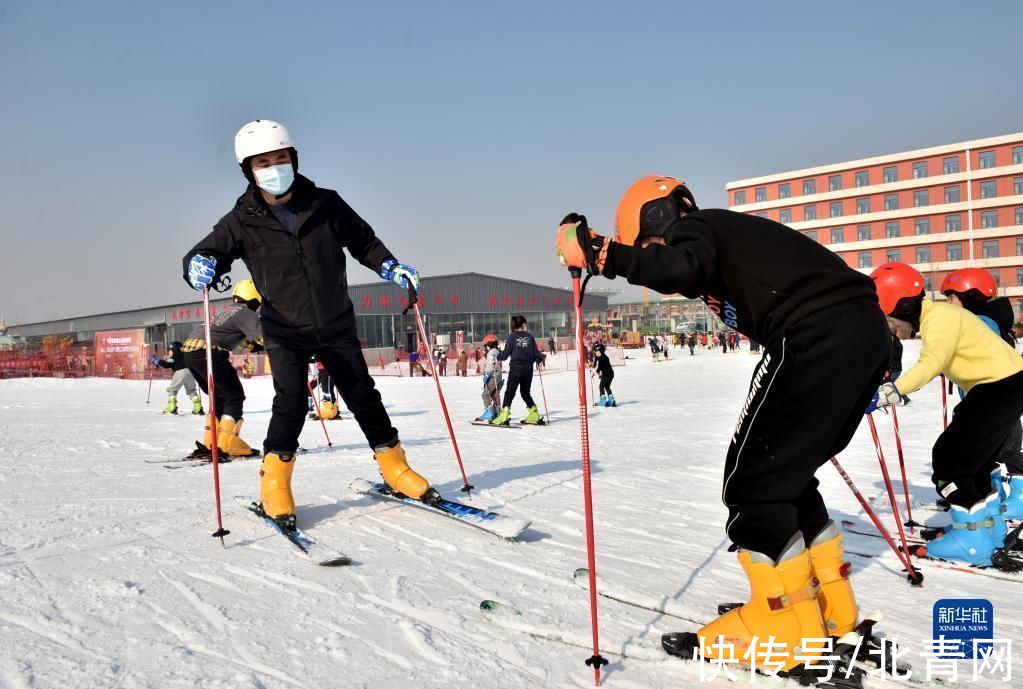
(493, 379)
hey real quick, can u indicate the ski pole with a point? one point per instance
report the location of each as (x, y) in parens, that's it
(150, 392)
(466, 487)
(221, 531)
(944, 404)
(902, 467)
(543, 392)
(888, 487)
(916, 577)
(316, 403)
(596, 661)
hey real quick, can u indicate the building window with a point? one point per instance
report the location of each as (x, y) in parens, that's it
(835, 183)
(785, 216)
(954, 252)
(837, 235)
(989, 219)
(862, 178)
(809, 212)
(921, 197)
(835, 209)
(761, 214)
(920, 169)
(760, 194)
(1019, 276)
(953, 223)
(1017, 155)
(893, 255)
(987, 160)
(740, 198)
(809, 186)
(988, 189)
(891, 202)
(890, 174)
(863, 231)
(1019, 246)
(784, 190)
(1017, 186)
(952, 194)
(922, 226)
(989, 249)
(927, 283)
(1019, 216)
(865, 260)
(863, 205)
(891, 229)
(812, 234)
(923, 254)
(950, 166)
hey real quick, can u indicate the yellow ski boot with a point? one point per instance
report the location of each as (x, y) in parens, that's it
(275, 486)
(228, 438)
(397, 473)
(328, 410)
(828, 565)
(782, 604)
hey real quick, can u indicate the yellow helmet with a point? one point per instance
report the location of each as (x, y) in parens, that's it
(246, 291)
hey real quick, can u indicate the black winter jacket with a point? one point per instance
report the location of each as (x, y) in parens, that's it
(301, 276)
(522, 349)
(757, 275)
(175, 361)
(1000, 311)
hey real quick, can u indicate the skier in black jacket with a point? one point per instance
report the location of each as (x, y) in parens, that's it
(607, 374)
(291, 235)
(822, 326)
(521, 348)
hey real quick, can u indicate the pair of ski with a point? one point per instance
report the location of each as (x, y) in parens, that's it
(860, 646)
(508, 528)
(510, 424)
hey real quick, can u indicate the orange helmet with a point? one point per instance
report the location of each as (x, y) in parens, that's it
(650, 207)
(490, 340)
(896, 281)
(966, 279)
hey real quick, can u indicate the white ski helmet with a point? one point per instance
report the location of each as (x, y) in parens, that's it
(260, 136)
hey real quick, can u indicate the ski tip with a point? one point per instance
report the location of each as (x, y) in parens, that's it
(340, 561)
(874, 617)
(489, 605)
(581, 573)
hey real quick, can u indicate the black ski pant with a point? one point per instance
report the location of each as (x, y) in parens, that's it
(1011, 452)
(807, 397)
(326, 384)
(966, 452)
(229, 395)
(519, 378)
(605, 382)
(344, 362)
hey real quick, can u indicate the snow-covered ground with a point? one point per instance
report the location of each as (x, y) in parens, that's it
(109, 576)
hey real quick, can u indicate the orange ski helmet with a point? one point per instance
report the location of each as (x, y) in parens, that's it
(966, 279)
(650, 206)
(490, 340)
(896, 281)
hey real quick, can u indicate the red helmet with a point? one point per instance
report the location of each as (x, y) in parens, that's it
(895, 281)
(490, 339)
(965, 279)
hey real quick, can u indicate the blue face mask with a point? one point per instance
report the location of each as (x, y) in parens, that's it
(275, 180)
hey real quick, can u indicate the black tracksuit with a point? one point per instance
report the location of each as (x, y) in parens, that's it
(521, 348)
(606, 373)
(299, 269)
(826, 349)
(175, 362)
(232, 327)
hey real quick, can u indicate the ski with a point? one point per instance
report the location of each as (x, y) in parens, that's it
(505, 527)
(493, 425)
(308, 548)
(663, 606)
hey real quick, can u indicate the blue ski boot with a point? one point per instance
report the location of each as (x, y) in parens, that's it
(611, 401)
(969, 539)
(602, 402)
(1013, 502)
(488, 414)
(995, 510)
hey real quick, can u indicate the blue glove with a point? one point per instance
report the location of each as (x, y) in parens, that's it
(400, 274)
(154, 360)
(487, 377)
(872, 406)
(201, 270)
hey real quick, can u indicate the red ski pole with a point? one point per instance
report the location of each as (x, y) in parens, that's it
(915, 577)
(221, 531)
(543, 392)
(466, 487)
(902, 467)
(150, 392)
(889, 488)
(596, 660)
(944, 404)
(316, 403)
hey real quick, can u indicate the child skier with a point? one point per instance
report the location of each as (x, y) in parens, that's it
(975, 290)
(607, 374)
(521, 348)
(958, 344)
(493, 379)
(328, 408)
(820, 321)
(290, 234)
(182, 377)
(236, 326)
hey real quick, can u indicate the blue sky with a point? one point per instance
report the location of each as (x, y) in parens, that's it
(462, 131)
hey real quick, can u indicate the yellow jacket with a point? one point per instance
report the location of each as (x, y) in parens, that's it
(961, 346)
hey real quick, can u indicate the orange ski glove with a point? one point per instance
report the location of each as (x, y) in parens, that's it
(578, 247)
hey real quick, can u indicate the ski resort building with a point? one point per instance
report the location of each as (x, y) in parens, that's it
(939, 209)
